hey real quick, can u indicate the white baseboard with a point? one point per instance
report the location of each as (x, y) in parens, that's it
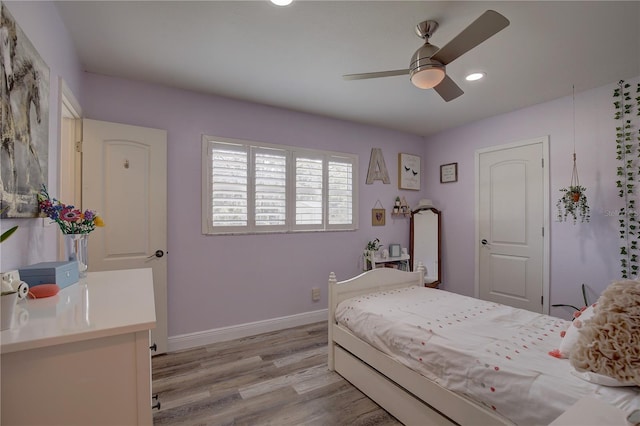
(207, 337)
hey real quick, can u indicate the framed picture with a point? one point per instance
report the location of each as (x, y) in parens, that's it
(24, 163)
(377, 217)
(449, 173)
(409, 174)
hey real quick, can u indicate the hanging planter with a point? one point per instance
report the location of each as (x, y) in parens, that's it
(575, 193)
(573, 203)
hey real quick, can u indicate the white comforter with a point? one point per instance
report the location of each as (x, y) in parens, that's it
(494, 354)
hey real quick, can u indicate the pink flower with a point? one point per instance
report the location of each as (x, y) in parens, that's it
(70, 215)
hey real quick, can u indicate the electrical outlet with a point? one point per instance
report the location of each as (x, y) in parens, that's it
(315, 294)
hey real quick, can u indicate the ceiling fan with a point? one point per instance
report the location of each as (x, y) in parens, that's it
(428, 63)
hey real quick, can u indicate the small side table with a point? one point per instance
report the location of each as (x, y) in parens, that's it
(400, 262)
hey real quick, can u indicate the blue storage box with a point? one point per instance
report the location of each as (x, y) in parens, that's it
(61, 273)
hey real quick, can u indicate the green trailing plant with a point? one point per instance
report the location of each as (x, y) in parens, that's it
(627, 153)
(573, 203)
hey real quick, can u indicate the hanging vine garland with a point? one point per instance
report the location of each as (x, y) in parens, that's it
(627, 150)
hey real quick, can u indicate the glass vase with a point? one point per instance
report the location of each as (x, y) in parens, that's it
(76, 250)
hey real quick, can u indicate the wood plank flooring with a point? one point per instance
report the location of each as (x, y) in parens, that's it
(278, 378)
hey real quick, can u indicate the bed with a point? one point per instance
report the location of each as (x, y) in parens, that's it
(431, 357)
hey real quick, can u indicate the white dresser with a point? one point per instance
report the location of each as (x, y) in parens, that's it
(81, 357)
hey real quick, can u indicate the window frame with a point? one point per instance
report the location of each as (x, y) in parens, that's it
(291, 153)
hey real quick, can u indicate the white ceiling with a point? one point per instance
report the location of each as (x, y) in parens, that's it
(294, 57)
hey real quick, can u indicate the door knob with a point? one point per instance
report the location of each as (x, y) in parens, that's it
(484, 242)
(158, 253)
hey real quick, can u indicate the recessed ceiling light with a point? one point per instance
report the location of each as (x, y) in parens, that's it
(282, 2)
(475, 76)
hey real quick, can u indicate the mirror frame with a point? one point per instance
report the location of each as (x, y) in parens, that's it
(412, 242)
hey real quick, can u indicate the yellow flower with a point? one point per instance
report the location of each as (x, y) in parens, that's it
(98, 221)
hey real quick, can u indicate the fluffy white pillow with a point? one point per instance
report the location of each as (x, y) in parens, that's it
(571, 335)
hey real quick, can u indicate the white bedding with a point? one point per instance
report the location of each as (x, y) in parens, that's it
(494, 354)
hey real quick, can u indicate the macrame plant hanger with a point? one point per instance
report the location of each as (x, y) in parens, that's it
(573, 202)
(575, 182)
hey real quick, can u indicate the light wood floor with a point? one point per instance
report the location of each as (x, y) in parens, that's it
(278, 378)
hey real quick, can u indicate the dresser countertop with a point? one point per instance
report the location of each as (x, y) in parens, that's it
(102, 304)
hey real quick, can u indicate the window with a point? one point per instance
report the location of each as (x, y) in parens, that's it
(251, 188)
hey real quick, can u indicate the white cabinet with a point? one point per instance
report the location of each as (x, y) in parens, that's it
(82, 357)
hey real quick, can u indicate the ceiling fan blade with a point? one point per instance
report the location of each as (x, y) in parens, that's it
(487, 25)
(448, 89)
(375, 74)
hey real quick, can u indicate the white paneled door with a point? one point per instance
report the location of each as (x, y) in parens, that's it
(124, 178)
(512, 211)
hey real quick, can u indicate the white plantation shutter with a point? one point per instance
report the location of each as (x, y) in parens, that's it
(309, 191)
(229, 190)
(253, 188)
(340, 197)
(271, 187)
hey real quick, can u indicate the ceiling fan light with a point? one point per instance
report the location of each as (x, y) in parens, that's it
(427, 78)
(475, 76)
(282, 2)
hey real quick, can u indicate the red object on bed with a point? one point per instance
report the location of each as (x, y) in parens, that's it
(43, 290)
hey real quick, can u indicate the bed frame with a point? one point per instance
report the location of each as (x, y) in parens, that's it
(410, 397)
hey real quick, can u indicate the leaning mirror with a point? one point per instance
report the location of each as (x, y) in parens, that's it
(425, 243)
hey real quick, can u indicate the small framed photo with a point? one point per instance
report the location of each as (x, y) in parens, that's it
(394, 250)
(409, 174)
(377, 217)
(449, 173)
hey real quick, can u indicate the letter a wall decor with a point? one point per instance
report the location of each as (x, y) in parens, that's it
(377, 168)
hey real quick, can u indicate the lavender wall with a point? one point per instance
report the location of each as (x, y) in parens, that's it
(41, 23)
(220, 281)
(583, 253)
(217, 281)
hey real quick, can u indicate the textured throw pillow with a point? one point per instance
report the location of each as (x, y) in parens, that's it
(609, 343)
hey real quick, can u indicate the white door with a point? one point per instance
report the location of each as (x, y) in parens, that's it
(512, 250)
(124, 179)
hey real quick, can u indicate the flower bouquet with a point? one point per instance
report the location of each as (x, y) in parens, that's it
(69, 219)
(74, 224)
